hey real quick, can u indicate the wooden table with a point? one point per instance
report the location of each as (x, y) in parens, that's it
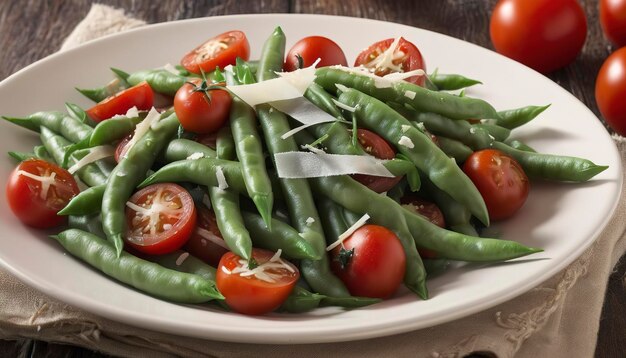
(33, 29)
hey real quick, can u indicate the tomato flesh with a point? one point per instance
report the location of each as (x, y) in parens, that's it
(375, 145)
(500, 180)
(219, 51)
(611, 91)
(255, 294)
(140, 96)
(160, 218)
(199, 112)
(542, 34)
(407, 57)
(206, 242)
(311, 48)
(377, 264)
(430, 211)
(37, 190)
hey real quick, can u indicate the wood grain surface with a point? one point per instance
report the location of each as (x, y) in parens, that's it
(33, 29)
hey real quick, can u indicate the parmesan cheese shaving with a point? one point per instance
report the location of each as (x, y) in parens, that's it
(384, 61)
(405, 128)
(46, 180)
(221, 179)
(195, 156)
(171, 69)
(209, 236)
(406, 141)
(142, 128)
(320, 164)
(182, 258)
(263, 271)
(344, 106)
(302, 110)
(96, 153)
(152, 211)
(349, 232)
(131, 113)
(341, 87)
(309, 221)
(409, 94)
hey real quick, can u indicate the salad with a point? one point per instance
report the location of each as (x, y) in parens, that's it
(232, 181)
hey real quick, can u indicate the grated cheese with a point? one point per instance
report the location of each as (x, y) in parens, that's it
(409, 94)
(309, 221)
(344, 106)
(153, 210)
(46, 180)
(142, 128)
(195, 156)
(96, 153)
(349, 232)
(182, 258)
(221, 179)
(171, 69)
(384, 61)
(208, 235)
(406, 141)
(405, 128)
(261, 271)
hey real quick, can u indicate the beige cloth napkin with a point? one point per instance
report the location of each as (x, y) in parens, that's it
(559, 318)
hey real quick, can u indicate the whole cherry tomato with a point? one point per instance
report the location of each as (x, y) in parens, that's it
(201, 110)
(611, 90)
(306, 51)
(613, 20)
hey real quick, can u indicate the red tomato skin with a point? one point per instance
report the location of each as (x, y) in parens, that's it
(140, 96)
(377, 267)
(249, 295)
(176, 236)
(613, 20)
(414, 61)
(611, 91)
(24, 199)
(542, 34)
(238, 46)
(500, 180)
(310, 49)
(200, 247)
(379, 148)
(199, 115)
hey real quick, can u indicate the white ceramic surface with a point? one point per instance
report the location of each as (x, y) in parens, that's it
(564, 219)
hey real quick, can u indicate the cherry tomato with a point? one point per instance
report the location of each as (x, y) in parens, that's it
(219, 51)
(199, 110)
(310, 49)
(160, 218)
(407, 57)
(37, 190)
(611, 90)
(428, 210)
(375, 145)
(206, 242)
(140, 96)
(500, 180)
(255, 294)
(613, 20)
(121, 148)
(209, 139)
(542, 34)
(371, 262)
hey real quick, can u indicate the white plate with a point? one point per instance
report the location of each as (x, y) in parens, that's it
(564, 219)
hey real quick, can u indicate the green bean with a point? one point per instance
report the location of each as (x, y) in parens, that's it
(92, 173)
(78, 113)
(446, 104)
(456, 216)
(514, 118)
(436, 267)
(42, 153)
(70, 128)
(107, 132)
(456, 246)
(553, 167)
(101, 93)
(140, 274)
(190, 264)
(160, 80)
(354, 196)
(454, 149)
(224, 144)
(129, 172)
(301, 300)
(333, 221)
(519, 145)
(250, 153)
(55, 144)
(296, 192)
(428, 158)
(180, 149)
(495, 131)
(451, 82)
(88, 201)
(429, 84)
(22, 156)
(318, 96)
(349, 301)
(199, 171)
(89, 223)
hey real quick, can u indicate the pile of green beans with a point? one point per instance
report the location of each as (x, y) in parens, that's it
(319, 209)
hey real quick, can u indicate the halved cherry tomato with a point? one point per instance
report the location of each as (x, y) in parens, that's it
(309, 49)
(406, 57)
(430, 211)
(500, 180)
(160, 218)
(255, 294)
(121, 148)
(375, 145)
(221, 50)
(371, 262)
(140, 96)
(543, 34)
(200, 110)
(37, 190)
(206, 242)
(613, 20)
(611, 90)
